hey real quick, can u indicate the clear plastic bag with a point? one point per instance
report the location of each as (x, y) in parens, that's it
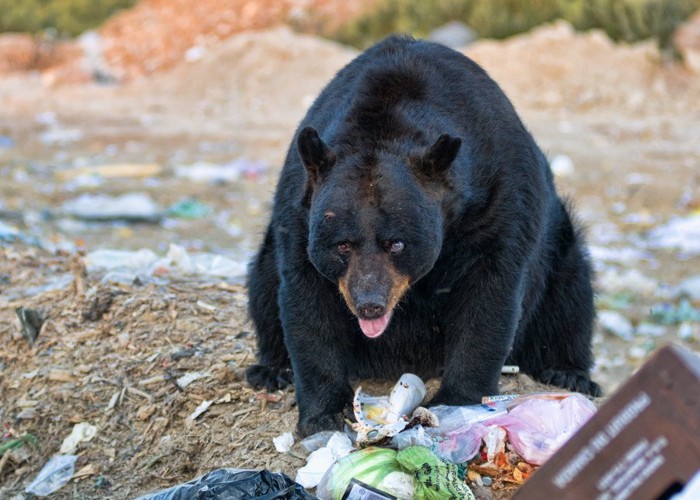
(460, 432)
(53, 475)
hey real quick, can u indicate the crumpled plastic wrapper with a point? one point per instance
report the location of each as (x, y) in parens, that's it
(380, 417)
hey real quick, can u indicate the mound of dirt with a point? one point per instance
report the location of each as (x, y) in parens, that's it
(156, 34)
(555, 67)
(266, 78)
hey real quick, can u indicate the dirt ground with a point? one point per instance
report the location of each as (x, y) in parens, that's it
(622, 125)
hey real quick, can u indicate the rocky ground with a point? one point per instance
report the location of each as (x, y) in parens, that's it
(619, 123)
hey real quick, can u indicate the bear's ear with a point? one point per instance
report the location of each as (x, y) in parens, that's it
(315, 155)
(438, 157)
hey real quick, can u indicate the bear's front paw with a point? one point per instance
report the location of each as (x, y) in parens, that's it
(270, 378)
(573, 380)
(318, 423)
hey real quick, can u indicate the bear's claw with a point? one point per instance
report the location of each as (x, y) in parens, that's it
(572, 380)
(270, 378)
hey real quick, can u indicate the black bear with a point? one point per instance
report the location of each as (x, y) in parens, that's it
(416, 228)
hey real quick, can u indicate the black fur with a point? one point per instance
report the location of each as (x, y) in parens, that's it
(412, 168)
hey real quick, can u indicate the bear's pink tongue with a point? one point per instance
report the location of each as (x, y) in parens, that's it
(374, 327)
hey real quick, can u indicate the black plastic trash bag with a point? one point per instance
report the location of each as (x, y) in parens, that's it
(235, 484)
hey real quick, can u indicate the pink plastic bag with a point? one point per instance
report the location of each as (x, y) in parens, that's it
(538, 427)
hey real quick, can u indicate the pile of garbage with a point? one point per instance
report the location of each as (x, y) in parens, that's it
(408, 451)
(397, 449)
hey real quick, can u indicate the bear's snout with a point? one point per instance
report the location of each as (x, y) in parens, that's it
(371, 307)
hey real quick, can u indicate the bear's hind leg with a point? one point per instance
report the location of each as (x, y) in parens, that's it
(273, 370)
(556, 345)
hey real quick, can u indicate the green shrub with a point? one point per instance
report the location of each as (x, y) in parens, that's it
(625, 20)
(632, 20)
(66, 17)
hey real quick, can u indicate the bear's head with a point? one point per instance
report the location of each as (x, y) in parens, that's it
(375, 220)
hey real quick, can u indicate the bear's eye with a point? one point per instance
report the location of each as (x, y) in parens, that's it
(396, 246)
(343, 247)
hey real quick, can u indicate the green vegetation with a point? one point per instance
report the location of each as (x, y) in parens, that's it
(623, 20)
(66, 17)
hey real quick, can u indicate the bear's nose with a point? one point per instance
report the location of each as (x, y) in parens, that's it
(371, 310)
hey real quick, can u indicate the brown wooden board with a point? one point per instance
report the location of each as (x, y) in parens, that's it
(643, 443)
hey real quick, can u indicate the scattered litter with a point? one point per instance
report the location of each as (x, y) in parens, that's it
(615, 323)
(650, 330)
(284, 442)
(495, 441)
(203, 406)
(111, 171)
(53, 475)
(207, 264)
(510, 369)
(689, 288)
(81, 432)
(680, 233)
(614, 281)
(190, 377)
(207, 307)
(31, 321)
(685, 331)
(316, 441)
(318, 463)
(622, 255)
(135, 207)
(8, 233)
(669, 314)
(107, 259)
(235, 484)
(54, 283)
(16, 443)
(189, 208)
(382, 417)
(223, 173)
(61, 136)
(145, 262)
